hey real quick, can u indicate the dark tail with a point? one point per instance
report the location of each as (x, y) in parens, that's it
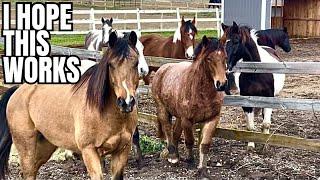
(5, 135)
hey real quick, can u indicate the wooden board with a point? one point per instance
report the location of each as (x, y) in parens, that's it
(249, 136)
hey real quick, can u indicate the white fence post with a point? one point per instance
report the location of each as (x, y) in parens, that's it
(222, 12)
(138, 21)
(218, 22)
(178, 17)
(93, 24)
(161, 24)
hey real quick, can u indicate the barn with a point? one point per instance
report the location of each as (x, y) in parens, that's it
(301, 17)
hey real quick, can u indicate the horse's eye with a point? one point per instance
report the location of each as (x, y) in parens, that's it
(111, 66)
(136, 64)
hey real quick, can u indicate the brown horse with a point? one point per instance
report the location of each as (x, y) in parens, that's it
(95, 117)
(179, 46)
(189, 91)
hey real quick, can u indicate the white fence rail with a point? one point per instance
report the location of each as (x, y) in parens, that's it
(93, 19)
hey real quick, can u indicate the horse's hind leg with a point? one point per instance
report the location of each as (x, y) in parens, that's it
(250, 123)
(189, 139)
(34, 150)
(267, 112)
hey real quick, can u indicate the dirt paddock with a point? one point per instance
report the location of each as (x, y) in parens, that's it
(230, 159)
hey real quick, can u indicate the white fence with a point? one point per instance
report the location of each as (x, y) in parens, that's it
(87, 20)
(95, 15)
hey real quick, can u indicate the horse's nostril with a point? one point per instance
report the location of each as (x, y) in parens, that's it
(218, 84)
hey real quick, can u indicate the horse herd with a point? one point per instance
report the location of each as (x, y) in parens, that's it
(98, 115)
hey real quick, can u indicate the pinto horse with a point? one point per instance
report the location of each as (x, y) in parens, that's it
(96, 40)
(241, 43)
(95, 117)
(179, 46)
(190, 92)
(271, 38)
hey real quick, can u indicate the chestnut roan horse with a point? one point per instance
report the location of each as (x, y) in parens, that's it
(95, 117)
(189, 91)
(179, 46)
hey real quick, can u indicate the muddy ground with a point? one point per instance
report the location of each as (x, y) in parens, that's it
(230, 159)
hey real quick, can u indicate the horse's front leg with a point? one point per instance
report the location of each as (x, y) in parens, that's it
(119, 160)
(208, 131)
(250, 123)
(91, 159)
(267, 112)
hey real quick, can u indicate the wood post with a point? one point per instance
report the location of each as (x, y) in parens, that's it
(138, 21)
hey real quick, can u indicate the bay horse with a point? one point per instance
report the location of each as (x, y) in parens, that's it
(179, 46)
(97, 39)
(190, 92)
(241, 45)
(95, 117)
(271, 38)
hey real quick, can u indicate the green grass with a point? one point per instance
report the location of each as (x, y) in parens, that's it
(208, 33)
(78, 40)
(150, 145)
(67, 40)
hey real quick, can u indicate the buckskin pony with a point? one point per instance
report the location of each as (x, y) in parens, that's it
(191, 93)
(95, 117)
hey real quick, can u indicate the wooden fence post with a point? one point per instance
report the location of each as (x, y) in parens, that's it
(138, 21)
(93, 24)
(178, 17)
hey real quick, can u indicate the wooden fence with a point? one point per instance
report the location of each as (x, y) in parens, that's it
(249, 101)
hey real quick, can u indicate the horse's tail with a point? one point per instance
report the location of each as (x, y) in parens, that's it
(5, 135)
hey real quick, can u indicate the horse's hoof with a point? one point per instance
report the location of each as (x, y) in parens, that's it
(190, 160)
(251, 146)
(173, 160)
(203, 174)
(164, 154)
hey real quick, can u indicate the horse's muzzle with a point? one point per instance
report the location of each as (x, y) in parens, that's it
(124, 106)
(220, 86)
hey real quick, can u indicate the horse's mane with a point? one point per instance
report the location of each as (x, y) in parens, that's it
(213, 44)
(97, 76)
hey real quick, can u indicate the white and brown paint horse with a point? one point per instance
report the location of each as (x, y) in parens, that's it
(95, 117)
(97, 39)
(180, 45)
(241, 45)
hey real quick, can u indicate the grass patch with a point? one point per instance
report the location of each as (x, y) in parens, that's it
(67, 40)
(208, 33)
(150, 145)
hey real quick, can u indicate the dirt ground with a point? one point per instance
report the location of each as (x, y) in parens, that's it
(230, 159)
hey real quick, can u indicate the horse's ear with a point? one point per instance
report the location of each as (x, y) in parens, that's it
(182, 20)
(224, 27)
(235, 27)
(102, 20)
(113, 39)
(111, 20)
(133, 39)
(285, 29)
(194, 20)
(205, 41)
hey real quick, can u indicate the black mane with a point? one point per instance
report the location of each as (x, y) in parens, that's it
(213, 44)
(189, 25)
